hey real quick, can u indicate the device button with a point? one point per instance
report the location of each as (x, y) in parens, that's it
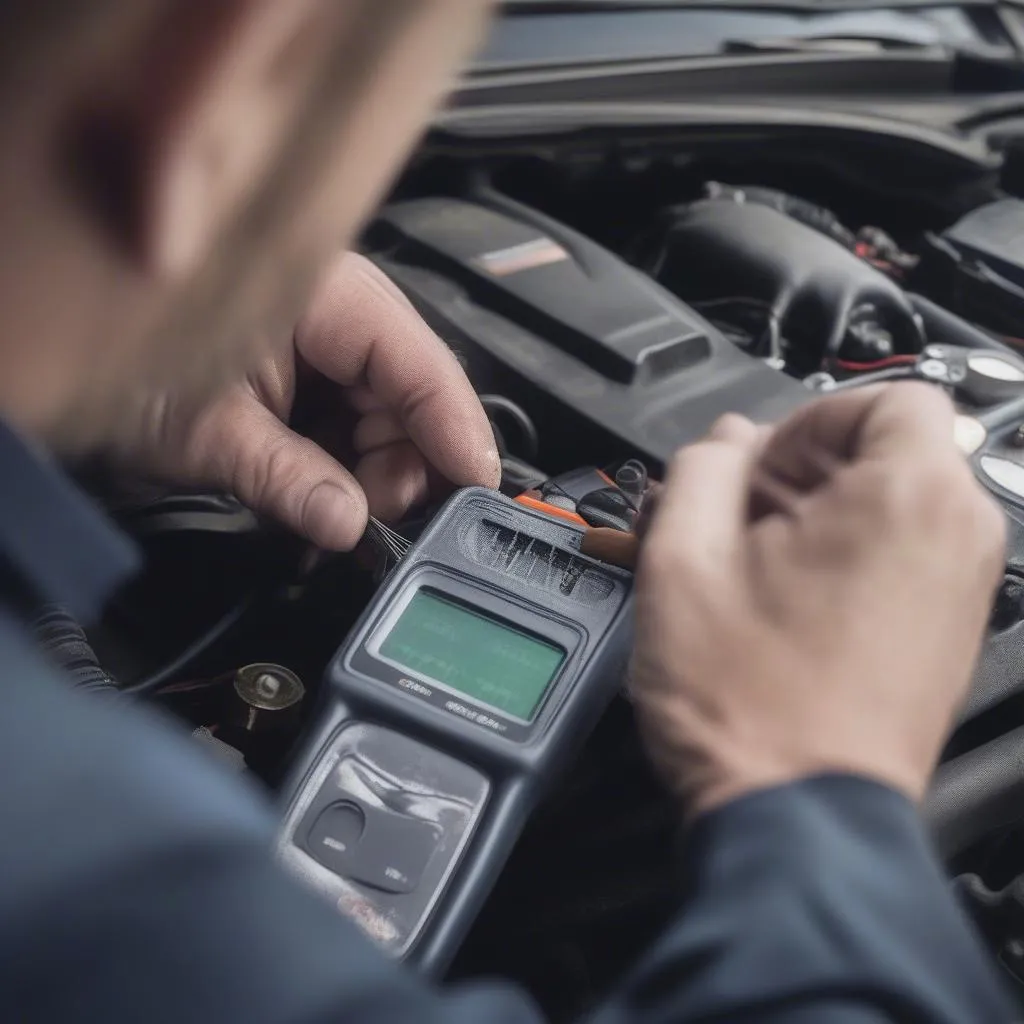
(335, 834)
(393, 852)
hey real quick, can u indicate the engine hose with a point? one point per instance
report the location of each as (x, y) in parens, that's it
(63, 641)
(977, 793)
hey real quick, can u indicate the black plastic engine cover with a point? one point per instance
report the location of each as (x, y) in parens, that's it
(979, 264)
(993, 234)
(719, 249)
(586, 342)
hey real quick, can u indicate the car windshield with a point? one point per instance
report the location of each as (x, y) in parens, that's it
(543, 32)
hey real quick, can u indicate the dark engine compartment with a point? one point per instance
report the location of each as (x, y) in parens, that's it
(610, 305)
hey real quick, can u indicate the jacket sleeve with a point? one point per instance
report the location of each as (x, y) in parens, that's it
(136, 884)
(816, 901)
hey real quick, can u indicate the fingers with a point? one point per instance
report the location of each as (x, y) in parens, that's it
(391, 470)
(738, 430)
(831, 424)
(376, 430)
(359, 331)
(394, 479)
(871, 422)
(908, 419)
(702, 506)
(245, 449)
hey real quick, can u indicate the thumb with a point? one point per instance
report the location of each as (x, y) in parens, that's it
(245, 449)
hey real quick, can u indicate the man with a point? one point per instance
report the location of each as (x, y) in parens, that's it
(171, 174)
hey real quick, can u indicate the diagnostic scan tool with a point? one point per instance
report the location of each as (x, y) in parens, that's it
(483, 663)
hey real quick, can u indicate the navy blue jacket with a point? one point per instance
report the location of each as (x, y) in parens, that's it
(136, 882)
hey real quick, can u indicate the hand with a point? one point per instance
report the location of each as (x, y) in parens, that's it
(372, 386)
(838, 635)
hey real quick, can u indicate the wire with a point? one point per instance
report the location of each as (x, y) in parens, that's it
(518, 476)
(65, 643)
(733, 300)
(876, 364)
(198, 646)
(891, 373)
(499, 403)
(392, 543)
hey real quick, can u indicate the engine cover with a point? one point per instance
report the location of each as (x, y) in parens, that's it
(816, 288)
(586, 342)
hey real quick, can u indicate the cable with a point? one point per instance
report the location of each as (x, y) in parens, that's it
(875, 376)
(64, 641)
(518, 476)
(876, 364)
(204, 513)
(732, 300)
(172, 668)
(386, 539)
(499, 403)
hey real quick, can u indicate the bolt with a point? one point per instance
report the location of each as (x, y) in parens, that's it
(933, 369)
(819, 381)
(268, 686)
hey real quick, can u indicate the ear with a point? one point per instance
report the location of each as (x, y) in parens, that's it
(183, 133)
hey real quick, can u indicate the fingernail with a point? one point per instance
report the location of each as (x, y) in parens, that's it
(331, 517)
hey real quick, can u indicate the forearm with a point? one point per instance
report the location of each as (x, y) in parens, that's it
(817, 901)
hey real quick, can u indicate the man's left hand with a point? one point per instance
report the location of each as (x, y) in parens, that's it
(366, 384)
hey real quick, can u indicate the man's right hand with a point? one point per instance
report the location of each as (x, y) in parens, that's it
(837, 635)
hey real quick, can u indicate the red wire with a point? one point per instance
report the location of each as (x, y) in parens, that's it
(877, 364)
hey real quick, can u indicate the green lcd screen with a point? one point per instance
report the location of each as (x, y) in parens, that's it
(472, 654)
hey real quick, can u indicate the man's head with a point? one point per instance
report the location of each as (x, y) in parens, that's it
(172, 175)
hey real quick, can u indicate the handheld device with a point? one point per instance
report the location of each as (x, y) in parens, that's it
(482, 664)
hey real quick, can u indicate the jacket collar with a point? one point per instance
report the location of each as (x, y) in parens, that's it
(55, 542)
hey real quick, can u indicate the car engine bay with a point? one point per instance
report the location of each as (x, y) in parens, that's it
(609, 302)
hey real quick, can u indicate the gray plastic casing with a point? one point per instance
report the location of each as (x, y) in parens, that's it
(474, 773)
